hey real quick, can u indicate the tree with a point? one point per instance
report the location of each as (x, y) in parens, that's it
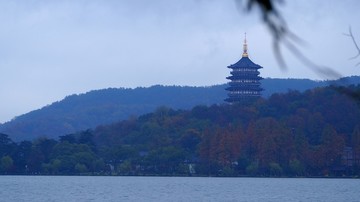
(275, 169)
(4, 139)
(6, 164)
(6, 145)
(296, 168)
(166, 160)
(272, 142)
(125, 167)
(356, 146)
(66, 156)
(22, 155)
(41, 150)
(190, 139)
(80, 168)
(226, 147)
(331, 149)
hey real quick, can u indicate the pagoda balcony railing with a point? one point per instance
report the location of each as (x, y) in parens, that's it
(240, 81)
(243, 88)
(244, 85)
(245, 73)
(244, 77)
(247, 92)
(240, 94)
(244, 69)
(237, 88)
(245, 80)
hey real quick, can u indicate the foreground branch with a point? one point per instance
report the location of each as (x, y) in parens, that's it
(356, 45)
(283, 37)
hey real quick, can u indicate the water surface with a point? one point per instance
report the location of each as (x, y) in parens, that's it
(94, 188)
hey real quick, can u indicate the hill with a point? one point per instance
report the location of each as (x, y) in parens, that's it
(83, 111)
(314, 133)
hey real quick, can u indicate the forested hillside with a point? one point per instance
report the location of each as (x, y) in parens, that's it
(314, 133)
(84, 111)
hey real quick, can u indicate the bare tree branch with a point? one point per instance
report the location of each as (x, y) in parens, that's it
(323, 71)
(283, 36)
(356, 46)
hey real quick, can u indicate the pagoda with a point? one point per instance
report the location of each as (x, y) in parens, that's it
(244, 85)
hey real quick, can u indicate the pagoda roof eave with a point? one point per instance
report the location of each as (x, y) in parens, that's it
(245, 62)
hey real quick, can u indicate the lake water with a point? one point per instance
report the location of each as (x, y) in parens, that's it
(90, 188)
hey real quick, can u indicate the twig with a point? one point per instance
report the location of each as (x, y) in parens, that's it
(356, 46)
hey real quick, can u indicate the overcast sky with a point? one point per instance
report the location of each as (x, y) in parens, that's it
(53, 48)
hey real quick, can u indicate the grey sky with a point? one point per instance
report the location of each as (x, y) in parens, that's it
(50, 49)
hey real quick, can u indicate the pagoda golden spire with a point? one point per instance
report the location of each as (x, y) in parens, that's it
(245, 53)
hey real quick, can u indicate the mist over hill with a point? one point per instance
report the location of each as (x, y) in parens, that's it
(82, 111)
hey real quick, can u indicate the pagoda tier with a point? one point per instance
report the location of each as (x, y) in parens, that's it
(239, 88)
(241, 77)
(244, 82)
